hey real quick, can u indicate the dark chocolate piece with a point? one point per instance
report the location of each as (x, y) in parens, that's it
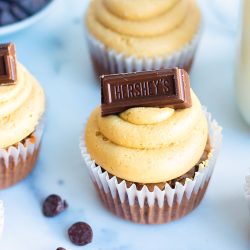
(54, 205)
(159, 88)
(8, 72)
(80, 233)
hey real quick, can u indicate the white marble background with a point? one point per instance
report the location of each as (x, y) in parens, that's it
(55, 51)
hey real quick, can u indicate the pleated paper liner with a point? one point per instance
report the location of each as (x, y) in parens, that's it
(158, 206)
(1, 217)
(17, 161)
(107, 61)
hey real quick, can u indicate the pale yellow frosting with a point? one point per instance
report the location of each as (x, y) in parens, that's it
(139, 9)
(21, 107)
(144, 28)
(165, 148)
(146, 116)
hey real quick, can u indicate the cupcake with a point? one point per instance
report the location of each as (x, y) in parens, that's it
(1, 217)
(22, 104)
(151, 165)
(129, 36)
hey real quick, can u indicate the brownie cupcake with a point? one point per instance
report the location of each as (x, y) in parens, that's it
(22, 104)
(150, 165)
(1, 217)
(128, 36)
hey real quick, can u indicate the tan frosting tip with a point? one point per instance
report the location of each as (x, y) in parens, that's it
(146, 116)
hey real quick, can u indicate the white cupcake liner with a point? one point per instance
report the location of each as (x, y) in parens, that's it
(22, 149)
(120, 191)
(1, 217)
(114, 62)
(17, 161)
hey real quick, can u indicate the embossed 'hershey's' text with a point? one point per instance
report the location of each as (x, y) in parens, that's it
(158, 87)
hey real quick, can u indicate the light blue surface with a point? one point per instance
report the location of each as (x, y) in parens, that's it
(55, 52)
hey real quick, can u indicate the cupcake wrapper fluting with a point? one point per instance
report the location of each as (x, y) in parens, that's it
(17, 161)
(1, 217)
(107, 61)
(159, 206)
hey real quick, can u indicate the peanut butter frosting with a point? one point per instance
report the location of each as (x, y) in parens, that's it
(148, 145)
(21, 107)
(143, 27)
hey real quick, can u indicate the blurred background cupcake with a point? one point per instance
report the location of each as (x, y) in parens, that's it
(22, 104)
(127, 36)
(151, 165)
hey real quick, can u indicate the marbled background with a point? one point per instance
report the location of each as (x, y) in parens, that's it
(55, 51)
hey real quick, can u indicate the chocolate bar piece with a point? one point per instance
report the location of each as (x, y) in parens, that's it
(159, 88)
(8, 72)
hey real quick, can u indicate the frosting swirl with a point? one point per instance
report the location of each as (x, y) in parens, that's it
(166, 147)
(21, 107)
(143, 27)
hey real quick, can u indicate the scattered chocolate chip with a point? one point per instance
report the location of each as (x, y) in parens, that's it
(54, 205)
(80, 234)
(60, 248)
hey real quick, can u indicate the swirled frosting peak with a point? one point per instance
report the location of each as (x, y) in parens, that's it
(21, 108)
(148, 145)
(143, 27)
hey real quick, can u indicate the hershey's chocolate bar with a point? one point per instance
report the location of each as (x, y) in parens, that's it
(8, 72)
(159, 88)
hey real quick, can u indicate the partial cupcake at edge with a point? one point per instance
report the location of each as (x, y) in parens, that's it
(22, 104)
(150, 165)
(129, 36)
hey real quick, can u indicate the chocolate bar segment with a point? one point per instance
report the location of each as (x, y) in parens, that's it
(8, 71)
(159, 88)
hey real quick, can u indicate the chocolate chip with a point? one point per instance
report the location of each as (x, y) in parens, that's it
(54, 205)
(60, 248)
(80, 234)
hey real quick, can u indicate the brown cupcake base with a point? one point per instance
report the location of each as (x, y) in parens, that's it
(17, 161)
(14, 173)
(100, 69)
(151, 214)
